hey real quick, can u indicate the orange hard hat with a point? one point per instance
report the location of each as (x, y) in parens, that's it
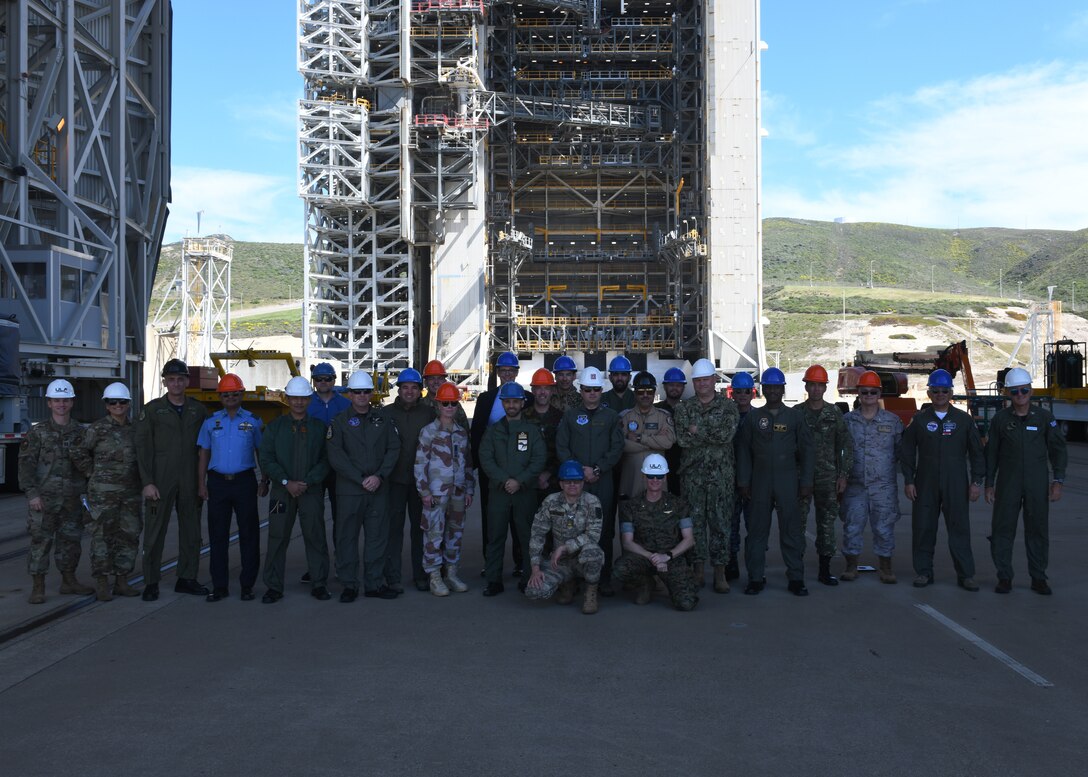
(542, 377)
(869, 379)
(434, 368)
(230, 382)
(447, 392)
(815, 374)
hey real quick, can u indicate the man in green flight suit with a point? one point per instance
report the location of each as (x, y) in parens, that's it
(166, 453)
(1023, 440)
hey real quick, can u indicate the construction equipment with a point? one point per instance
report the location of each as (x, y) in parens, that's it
(1065, 393)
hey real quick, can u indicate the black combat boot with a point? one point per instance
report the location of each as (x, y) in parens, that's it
(825, 575)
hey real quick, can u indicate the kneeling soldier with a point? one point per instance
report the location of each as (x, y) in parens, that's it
(573, 519)
(656, 532)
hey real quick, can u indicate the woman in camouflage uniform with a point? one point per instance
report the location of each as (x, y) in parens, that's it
(108, 458)
(443, 474)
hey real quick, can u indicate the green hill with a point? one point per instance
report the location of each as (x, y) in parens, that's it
(261, 273)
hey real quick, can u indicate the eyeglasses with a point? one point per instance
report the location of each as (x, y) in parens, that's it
(644, 392)
(230, 394)
(655, 477)
(324, 379)
(362, 391)
(940, 391)
(869, 393)
(448, 404)
(1020, 391)
(590, 389)
(117, 401)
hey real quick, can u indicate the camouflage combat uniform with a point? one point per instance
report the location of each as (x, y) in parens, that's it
(872, 494)
(563, 401)
(578, 526)
(657, 526)
(655, 435)
(108, 459)
(443, 471)
(834, 455)
(46, 472)
(707, 472)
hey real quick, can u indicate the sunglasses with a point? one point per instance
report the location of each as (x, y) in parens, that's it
(362, 391)
(448, 404)
(644, 392)
(590, 389)
(742, 391)
(869, 393)
(117, 401)
(324, 379)
(940, 391)
(230, 394)
(655, 477)
(1020, 391)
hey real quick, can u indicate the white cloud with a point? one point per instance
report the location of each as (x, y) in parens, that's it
(1002, 150)
(246, 206)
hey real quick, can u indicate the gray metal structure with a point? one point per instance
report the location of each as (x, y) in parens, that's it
(545, 177)
(84, 181)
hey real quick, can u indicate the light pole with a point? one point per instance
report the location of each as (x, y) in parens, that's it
(810, 274)
(1001, 282)
(871, 272)
(932, 287)
(1074, 296)
(1019, 290)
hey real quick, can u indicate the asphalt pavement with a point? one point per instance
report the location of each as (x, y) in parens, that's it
(861, 678)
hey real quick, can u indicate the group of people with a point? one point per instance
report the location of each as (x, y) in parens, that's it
(556, 467)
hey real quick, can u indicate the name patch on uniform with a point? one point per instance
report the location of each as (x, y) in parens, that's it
(948, 428)
(1033, 428)
(884, 428)
(764, 423)
(354, 421)
(651, 426)
(523, 442)
(931, 426)
(632, 425)
(781, 428)
(582, 420)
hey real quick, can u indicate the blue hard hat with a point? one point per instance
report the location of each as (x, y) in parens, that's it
(409, 376)
(620, 364)
(564, 363)
(324, 368)
(675, 375)
(772, 376)
(743, 380)
(511, 390)
(571, 470)
(940, 379)
(507, 359)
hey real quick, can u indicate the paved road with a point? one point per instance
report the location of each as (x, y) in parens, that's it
(862, 678)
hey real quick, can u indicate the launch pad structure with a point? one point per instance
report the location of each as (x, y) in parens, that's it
(568, 176)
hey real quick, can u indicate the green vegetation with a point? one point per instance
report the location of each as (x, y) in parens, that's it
(288, 322)
(902, 336)
(893, 303)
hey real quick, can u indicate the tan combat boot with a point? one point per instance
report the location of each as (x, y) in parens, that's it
(886, 574)
(645, 593)
(565, 594)
(122, 588)
(69, 584)
(102, 588)
(697, 572)
(438, 586)
(37, 593)
(589, 604)
(721, 584)
(851, 571)
(453, 581)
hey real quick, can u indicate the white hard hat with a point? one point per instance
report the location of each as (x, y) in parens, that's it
(1017, 376)
(298, 386)
(116, 391)
(591, 377)
(60, 389)
(360, 380)
(655, 464)
(703, 368)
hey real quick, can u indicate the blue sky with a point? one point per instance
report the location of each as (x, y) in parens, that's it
(938, 113)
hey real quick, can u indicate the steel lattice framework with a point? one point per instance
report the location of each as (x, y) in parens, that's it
(85, 173)
(543, 177)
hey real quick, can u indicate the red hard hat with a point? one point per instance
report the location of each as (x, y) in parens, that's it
(230, 382)
(434, 368)
(542, 377)
(869, 379)
(447, 392)
(815, 374)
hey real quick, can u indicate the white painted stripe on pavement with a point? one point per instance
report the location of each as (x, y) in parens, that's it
(974, 639)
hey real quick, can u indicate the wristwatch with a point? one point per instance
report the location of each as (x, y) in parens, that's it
(668, 553)
(283, 482)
